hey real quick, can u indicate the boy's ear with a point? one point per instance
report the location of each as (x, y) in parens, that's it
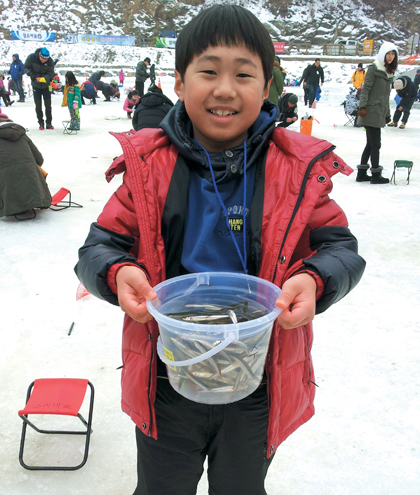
(179, 86)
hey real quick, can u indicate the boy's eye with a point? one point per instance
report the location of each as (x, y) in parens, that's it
(243, 75)
(209, 72)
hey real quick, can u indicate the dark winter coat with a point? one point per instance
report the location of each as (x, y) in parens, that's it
(151, 109)
(141, 71)
(376, 91)
(88, 90)
(417, 81)
(407, 94)
(295, 226)
(95, 77)
(313, 75)
(16, 68)
(22, 186)
(107, 89)
(276, 86)
(35, 68)
(304, 75)
(286, 112)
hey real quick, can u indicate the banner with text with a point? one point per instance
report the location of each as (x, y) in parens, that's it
(165, 42)
(40, 36)
(101, 39)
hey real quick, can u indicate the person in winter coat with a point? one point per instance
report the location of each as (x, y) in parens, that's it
(72, 99)
(130, 102)
(288, 110)
(358, 76)
(88, 91)
(374, 110)
(277, 83)
(96, 76)
(303, 78)
(22, 185)
(180, 210)
(314, 75)
(12, 86)
(121, 76)
(142, 75)
(40, 68)
(417, 83)
(407, 91)
(107, 90)
(4, 92)
(16, 73)
(151, 109)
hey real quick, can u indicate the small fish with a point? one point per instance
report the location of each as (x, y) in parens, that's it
(211, 360)
(232, 315)
(204, 318)
(207, 307)
(194, 380)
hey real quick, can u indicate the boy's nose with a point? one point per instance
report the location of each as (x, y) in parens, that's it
(225, 88)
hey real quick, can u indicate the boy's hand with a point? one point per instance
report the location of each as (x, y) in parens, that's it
(133, 291)
(298, 301)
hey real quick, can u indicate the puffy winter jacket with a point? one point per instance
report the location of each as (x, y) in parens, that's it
(358, 78)
(16, 68)
(151, 109)
(35, 68)
(295, 227)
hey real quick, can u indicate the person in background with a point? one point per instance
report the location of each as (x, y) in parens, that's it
(72, 99)
(358, 78)
(283, 71)
(107, 90)
(417, 83)
(23, 185)
(288, 110)
(407, 91)
(277, 83)
(121, 76)
(142, 75)
(151, 108)
(40, 68)
(16, 73)
(314, 74)
(374, 110)
(88, 91)
(12, 86)
(303, 78)
(218, 188)
(4, 92)
(131, 100)
(96, 76)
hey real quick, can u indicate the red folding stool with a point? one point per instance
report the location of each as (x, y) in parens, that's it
(59, 203)
(57, 396)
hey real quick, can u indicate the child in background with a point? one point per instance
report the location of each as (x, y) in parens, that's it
(73, 99)
(4, 92)
(130, 102)
(216, 160)
(121, 76)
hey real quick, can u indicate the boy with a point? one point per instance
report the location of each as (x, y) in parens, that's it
(184, 184)
(288, 110)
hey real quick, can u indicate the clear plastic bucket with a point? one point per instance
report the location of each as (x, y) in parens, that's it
(215, 363)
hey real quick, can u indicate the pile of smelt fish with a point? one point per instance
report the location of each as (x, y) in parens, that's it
(232, 370)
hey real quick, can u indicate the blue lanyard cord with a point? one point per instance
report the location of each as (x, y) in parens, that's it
(244, 258)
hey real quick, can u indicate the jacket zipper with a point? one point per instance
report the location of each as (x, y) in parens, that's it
(149, 433)
(299, 200)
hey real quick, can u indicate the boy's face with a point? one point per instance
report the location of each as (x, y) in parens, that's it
(223, 91)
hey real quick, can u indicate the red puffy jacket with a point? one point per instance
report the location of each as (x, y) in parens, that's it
(302, 229)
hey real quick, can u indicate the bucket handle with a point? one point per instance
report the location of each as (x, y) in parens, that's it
(197, 359)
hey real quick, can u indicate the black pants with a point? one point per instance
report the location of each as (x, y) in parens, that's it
(405, 112)
(232, 436)
(373, 145)
(140, 87)
(306, 95)
(38, 95)
(84, 95)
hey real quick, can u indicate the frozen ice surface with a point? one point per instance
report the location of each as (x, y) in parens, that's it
(364, 438)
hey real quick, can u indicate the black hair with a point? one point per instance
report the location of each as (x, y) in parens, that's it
(392, 67)
(71, 79)
(147, 59)
(229, 25)
(317, 60)
(132, 93)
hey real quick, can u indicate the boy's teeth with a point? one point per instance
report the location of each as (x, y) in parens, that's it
(221, 113)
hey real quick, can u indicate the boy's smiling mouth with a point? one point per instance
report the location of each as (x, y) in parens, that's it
(223, 113)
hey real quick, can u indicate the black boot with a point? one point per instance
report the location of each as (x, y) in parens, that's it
(362, 175)
(377, 176)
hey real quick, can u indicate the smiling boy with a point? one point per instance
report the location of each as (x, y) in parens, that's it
(219, 188)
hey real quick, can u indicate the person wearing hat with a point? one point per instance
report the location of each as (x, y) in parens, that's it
(39, 66)
(288, 110)
(142, 75)
(358, 78)
(407, 91)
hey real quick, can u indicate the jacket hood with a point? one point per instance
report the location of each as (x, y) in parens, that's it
(178, 127)
(380, 57)
(152, 99)
(11, 131)
(16, 55)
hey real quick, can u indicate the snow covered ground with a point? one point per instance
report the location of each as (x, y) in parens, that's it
(364, 438)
